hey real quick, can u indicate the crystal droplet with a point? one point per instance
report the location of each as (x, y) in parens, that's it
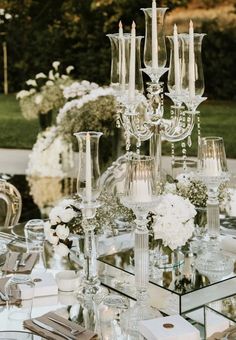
(189, 142)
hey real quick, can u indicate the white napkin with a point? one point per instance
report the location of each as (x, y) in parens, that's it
(228, 243)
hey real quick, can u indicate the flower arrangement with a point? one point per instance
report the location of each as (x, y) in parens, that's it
(63, 218)
(174, 220)
(50, 155)
(45, 92)
(94, 110)
(66, 218)
(188, 186)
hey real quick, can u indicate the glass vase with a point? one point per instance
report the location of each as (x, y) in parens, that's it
(89, 189)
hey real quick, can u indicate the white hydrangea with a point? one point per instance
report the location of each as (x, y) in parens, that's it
(31, 82)
(78, 103)
(56, 64)
(174, 222)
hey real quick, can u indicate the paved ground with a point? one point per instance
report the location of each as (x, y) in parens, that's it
(14, 161)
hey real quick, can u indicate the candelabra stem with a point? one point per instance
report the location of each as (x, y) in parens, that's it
(155, 149)
(213, 219)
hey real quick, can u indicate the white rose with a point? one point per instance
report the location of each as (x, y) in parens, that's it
(62, 231)
(38, 99)
(49, 83)
(69, 69)
(68, 215)
(61, 249)
(55, 65)
(40, 75)
(31, 82)
(51, 237)
(8, 16)
(54, 216)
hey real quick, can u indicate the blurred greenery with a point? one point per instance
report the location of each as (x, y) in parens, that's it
(217, 118)
(74, 32)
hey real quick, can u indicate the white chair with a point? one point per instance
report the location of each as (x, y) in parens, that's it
(10, 204)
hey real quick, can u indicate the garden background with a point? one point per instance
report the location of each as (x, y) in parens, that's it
(74, 32)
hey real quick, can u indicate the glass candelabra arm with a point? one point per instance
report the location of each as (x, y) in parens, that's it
(173, 133)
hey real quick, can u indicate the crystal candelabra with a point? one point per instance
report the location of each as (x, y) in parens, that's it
(212, 170)
(88, 189)
(143, 117)
(140, 195)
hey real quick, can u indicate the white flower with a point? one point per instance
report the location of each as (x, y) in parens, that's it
(49, 83)
(40, 75)
(69, 69)
(22, 94)
(31, 82)
(62, 231)
(170, 188)
(8, 16)
(2, 11)
(55, 65)
(64, 76)
(32, 91)
(62, 249)
(57, 75)
(50, 75)
(67, 215)
(54, 215)
(38, 99)
(174, 220)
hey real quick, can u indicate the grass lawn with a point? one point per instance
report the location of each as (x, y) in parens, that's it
(217, 118)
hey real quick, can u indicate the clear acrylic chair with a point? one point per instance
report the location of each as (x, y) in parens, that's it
(10, 204)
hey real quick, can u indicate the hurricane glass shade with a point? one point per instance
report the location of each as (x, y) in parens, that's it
(161, 44)
(171, 82)
(88, 178)
(140, 184)
(120, 56)
(211, 157)
(198, 69)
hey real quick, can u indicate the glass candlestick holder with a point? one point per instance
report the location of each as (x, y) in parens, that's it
(140, 196)
(89, 189)
(212, 170)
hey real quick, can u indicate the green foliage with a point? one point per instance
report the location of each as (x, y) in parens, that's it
(219, 55)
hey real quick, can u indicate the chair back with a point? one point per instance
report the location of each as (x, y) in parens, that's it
(10, 204)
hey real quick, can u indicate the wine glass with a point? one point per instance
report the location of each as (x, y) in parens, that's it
(212, 170)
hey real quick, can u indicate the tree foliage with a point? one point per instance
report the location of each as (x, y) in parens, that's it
(74, 32)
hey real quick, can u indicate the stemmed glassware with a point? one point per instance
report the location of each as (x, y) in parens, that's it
(89, 189)
(141, 196)
(212, 170)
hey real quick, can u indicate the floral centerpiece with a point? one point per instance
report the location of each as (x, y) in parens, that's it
(63, 219)
(44, 93)
(174, 220)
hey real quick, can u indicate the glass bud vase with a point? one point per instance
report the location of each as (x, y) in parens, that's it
(88, 189)
(161, 45)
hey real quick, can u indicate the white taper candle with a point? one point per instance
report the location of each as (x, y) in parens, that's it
(154, 36)
(176, 61)
(191, 61)
(88, 167)
(132, 63)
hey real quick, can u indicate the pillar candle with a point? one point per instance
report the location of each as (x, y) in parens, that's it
(132, 64)
(176, 61)
(140, 191)
(191, 61)
(88, 167)
(154, 36)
